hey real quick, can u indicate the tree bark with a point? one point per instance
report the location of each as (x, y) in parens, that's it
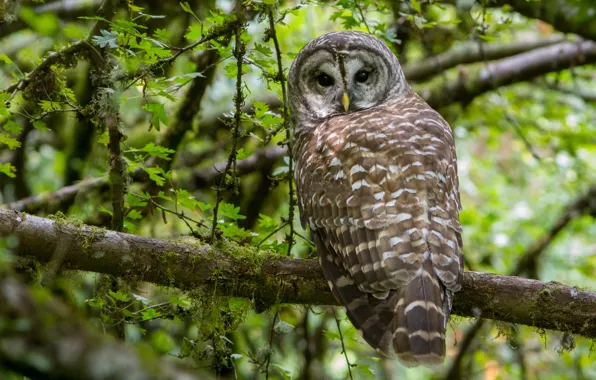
(241, 271)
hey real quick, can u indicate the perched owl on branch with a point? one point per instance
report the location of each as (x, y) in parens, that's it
(376, 178)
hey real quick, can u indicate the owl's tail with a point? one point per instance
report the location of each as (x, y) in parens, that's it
(420, 320)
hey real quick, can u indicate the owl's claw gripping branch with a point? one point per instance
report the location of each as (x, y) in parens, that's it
(278, 279)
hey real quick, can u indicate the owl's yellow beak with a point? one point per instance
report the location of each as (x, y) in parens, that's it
(345, 100)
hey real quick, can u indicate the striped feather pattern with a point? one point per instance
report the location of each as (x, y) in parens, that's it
(379, 190)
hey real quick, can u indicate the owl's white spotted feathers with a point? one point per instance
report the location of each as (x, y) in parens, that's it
(376, 178)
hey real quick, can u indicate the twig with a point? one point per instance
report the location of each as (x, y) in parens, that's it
(239, 52)
(357, 3)
(343, 347)
(281, 78)
(270, 350)
(272, 233)
(216, 32)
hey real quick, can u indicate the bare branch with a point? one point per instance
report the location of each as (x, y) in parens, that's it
(470, 53)
(268, 280)
(521, 67)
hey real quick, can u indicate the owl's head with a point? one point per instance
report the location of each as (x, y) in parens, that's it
(343, 72)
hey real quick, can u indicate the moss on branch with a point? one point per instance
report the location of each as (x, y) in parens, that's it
(267, 279)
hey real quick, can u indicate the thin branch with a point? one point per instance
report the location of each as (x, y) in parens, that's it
(343, 347)
(282, 81)
(270, 351)
(242, 271)
(214, 33)
(359, 8)
(239, 52)
(201, 178)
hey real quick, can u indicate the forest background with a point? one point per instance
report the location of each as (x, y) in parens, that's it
(148, 225)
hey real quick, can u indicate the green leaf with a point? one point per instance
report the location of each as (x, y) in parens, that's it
(8, 170)
(96, 302)
(40, 125)
(6, 59)
(241, 154)
(182, 301)
(204, 206)
(267, 222)
(232, 231)
(107, 38)
(163, 34)
(150, 314)
(157, 175)
(158, 151)
(135, 201)
(195, 32)
(11, 142)
(186, 8)
(185, 199)
(263, 49)
(105, 210)
(12, 127)
(47, 105)
(159, 114)
(134, 214)
(119, 296)
(228, 210)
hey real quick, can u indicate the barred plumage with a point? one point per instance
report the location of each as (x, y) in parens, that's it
(377, 184)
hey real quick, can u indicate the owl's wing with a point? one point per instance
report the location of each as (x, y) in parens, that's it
(379, 188)
(368, 314)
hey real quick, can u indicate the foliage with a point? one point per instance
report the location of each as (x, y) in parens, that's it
(197, 92)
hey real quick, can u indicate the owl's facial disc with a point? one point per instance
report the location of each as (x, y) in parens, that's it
(340, 73)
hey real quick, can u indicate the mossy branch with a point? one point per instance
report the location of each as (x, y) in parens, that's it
(268, 280)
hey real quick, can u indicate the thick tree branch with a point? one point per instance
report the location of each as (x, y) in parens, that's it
(233, 270)
(40, 337)
(469, 53)
(521, 67)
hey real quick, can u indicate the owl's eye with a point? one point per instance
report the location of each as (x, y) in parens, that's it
(361, 76)
(324, 80)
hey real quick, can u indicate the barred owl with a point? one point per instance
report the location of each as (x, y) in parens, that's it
(376, 179)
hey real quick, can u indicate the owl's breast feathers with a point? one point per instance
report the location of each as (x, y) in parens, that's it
(379, 190)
